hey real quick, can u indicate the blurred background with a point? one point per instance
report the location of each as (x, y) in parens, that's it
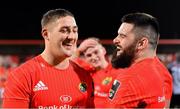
(20, 28)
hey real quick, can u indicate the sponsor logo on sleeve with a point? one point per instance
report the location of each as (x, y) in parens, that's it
(114, 88)
(161, 99)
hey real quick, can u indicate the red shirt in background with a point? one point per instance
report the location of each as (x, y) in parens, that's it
(103, 80)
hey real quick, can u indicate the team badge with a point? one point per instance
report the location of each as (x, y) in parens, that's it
(83, 87)
(114, 89)
(107, 80)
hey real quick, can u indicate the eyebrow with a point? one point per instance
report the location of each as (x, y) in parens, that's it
(69, 27)
(121, 34)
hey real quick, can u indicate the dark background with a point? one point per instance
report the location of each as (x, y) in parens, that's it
(21, 20)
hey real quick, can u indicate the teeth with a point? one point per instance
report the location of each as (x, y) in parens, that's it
(68, 44)
(118, 48)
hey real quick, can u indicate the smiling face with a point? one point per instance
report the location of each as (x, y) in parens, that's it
(125, 46)
(61, 36)
(95, 56)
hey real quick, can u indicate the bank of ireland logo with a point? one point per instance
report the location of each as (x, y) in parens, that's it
(107, 80)
(65, 98)
(82, 86)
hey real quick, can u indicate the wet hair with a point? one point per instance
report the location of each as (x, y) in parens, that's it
(53, 15)
(145, 25)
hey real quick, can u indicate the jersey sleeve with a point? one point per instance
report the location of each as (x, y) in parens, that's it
(17, 90)
(168, 86)
(121, 94)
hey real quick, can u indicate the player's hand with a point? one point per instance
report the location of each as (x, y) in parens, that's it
(86, 44)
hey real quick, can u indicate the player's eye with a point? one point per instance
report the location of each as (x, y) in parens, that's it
(88, 55)
(64, 30)
(75, 30)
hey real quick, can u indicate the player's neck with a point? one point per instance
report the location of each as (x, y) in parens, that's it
(63, 65)
(57, 62)
(104, 64)
(144, 55)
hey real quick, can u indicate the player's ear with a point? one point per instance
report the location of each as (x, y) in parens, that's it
(142, 43)
(104, 50)
(44, 33)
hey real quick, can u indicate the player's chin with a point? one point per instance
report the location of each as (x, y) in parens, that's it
(96, 65)
(68, 53)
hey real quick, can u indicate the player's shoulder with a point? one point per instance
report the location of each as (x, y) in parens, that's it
(77, 67)
(82, 73)
(123, 74)
(80, 63)
(28, 65)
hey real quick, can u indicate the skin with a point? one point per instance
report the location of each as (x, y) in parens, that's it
(125, 47)
(60, 41)
(96, 56)
(141, 48)
(125, 38)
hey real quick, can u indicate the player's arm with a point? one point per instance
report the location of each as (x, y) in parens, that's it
(168, 97)
(117, 95)
(17, 92)
(168, 91)
(122, 94)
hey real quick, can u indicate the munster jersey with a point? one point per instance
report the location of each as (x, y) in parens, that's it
(103, 80)
(83, 64)
(168, 84)
(36, 84)
(140, 86)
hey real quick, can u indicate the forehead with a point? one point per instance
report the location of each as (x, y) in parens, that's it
(92, 49)
(125, 28)
(67, 21)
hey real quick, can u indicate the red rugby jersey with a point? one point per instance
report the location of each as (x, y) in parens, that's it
(38, 84)
(168, 84)
(103, 80)
(83, 64)
(141, 85)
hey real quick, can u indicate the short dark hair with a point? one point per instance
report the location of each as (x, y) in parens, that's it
(53, 15)
(144, 24)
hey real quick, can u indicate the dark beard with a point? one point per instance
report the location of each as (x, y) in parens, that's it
(125, 59)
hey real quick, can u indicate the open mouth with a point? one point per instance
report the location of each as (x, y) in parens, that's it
(118, 48)
(94, 61)
(67, 45)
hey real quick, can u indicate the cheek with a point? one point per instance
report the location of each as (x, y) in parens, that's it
(126, 44)
(76, 36)
(86, 59)
(90, 60)
(100, 55)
